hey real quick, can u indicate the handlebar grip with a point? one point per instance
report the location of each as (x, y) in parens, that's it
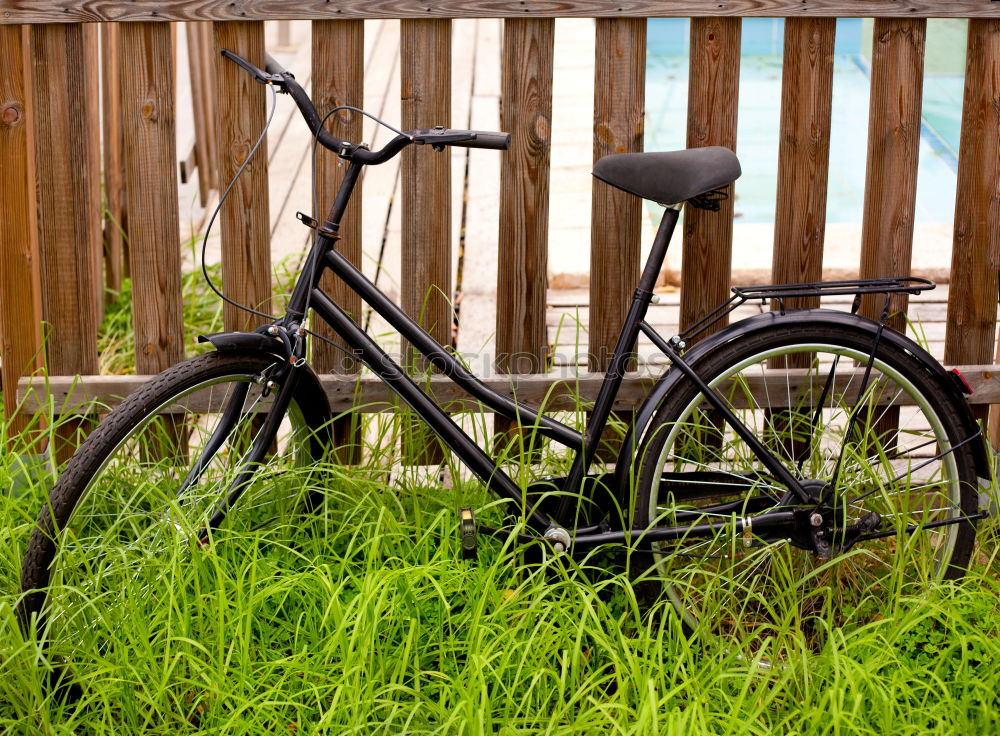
(272, 66)
(487, 139)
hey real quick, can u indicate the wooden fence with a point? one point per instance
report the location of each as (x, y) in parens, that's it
(50, 142)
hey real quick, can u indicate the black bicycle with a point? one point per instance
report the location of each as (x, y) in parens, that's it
(806, 455)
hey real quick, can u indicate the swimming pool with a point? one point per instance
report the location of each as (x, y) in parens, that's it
(762, 40)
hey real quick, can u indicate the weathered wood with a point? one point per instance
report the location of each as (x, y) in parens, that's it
(20, 287)
(246, 252)
(69, 206)
(522, 255)
(114, 209)
(893, 148)
(338, 62)
(202, 119)
(550, 392)
(209, 101)
(426, 206)
(65, 103)
(712, 101)
(616, 216)
(615, 222)
(148, 121)
(65, 11)
(975, 257)
(803, 153)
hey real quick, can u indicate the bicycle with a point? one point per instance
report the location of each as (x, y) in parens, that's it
(787, 448)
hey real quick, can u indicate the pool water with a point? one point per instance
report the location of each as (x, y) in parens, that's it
(759, 113)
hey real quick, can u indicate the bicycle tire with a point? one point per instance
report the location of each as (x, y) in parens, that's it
(745, 588)
(115, 511)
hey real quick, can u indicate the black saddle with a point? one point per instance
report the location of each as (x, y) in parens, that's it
(670, 177)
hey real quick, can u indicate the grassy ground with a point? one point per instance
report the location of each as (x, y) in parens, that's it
(361, 618)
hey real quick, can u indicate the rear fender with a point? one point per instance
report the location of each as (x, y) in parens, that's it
(627, 464)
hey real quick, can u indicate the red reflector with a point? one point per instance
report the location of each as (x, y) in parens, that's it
(963, 384)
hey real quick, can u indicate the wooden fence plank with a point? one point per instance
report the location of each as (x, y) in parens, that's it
(242, 111)
(114, 212)
(619, 82)
(64, 103)
(555, 393)
(148, 108)
(712, 99)
(893, 148)
(209, 101)
(69, 209)
(616, 216)
(891, 176)
(65, 11)
(20, 287)
(202, 115)
(803, 153)
(426, 205)
(975, 257)
(522, 256)
(338, 63)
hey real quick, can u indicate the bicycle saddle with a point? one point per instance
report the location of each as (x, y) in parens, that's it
(670, 177)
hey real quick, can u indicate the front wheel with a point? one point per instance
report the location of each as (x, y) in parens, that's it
(903, 460)
(138, 498)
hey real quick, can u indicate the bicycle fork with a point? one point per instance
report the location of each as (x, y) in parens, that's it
(286, 380)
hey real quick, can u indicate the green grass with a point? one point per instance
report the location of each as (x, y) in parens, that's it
(361, 618)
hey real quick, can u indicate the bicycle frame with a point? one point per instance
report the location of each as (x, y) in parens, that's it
(307, 294)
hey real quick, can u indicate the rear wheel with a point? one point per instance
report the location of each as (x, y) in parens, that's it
(904, 457)
(137, 497)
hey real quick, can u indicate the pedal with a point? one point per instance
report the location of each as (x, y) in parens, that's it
(467, 533)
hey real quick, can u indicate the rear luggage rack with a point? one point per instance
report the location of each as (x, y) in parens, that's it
(910, 285)
(856, 287)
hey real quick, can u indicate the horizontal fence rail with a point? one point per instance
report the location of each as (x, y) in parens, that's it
(369, 394)
(91, 11)
(56, 252)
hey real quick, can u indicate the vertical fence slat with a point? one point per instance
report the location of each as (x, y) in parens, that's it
(69, 209)
(338, 62)
(975, 257)
(803, 152)
(202, 119)
(426, 187)
(67, 165)
(893, 150)
(242, 110)
(616, 216)
(619, 98)
(713, 91)
(209, 97)
(148, 121)
(522, 257)
(20, 291)
(113, 194)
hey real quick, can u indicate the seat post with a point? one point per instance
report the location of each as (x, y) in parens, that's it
(659, 250)
(620, 359)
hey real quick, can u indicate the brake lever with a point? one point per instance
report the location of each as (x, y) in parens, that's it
(258, 74)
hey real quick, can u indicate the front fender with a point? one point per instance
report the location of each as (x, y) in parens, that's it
(309, 389)
(820, 318)
(253, 341)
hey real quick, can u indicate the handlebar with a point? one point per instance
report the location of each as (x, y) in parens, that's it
(439, 137)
